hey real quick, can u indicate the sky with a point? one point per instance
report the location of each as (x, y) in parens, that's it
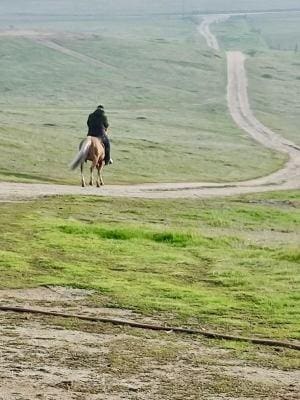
(108, 7)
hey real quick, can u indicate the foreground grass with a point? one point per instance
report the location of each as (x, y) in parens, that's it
(232, 264)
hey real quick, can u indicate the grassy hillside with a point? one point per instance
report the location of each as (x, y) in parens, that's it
(273, 66)
(260, 32)
(231, 264)
(165, 95)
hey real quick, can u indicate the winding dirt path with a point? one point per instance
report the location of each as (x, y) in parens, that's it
(238, 103)
(204, 29)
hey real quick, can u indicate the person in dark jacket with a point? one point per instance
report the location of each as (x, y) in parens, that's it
(98, 124)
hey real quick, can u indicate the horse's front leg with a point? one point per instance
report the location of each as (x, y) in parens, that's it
(82, 176)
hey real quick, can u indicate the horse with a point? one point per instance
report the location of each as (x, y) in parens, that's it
(90, 149)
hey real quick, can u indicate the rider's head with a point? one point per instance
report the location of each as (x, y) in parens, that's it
(100, 107)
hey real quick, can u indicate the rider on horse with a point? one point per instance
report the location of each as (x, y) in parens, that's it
(98, 124)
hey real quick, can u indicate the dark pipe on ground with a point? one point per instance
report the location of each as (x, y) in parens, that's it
(210, 335)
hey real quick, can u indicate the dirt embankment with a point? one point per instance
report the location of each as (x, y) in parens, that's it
(47, 358)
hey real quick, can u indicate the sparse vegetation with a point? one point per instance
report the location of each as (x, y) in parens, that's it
(207, 261)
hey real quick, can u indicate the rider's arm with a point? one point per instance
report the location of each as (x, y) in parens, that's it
(89, 121)
(105, 122)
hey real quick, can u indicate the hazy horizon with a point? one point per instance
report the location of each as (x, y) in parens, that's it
(123, 7)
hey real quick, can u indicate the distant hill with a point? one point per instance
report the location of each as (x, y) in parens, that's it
(140, 7)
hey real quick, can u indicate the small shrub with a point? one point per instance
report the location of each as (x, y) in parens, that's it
(267, 76)
(178, 239)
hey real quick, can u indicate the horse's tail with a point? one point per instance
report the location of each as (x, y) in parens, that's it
(82, 154)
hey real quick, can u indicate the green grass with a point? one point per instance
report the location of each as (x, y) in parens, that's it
(260, 32)
(276, 77)
(203, 261)
(165, 95)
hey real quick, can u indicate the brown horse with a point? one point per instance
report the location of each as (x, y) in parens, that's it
(90, 149)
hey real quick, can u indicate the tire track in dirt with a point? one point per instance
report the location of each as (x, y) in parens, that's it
(238, 103)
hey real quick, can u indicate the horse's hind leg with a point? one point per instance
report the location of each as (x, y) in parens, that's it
(100, 173)
(92, 175)
(93, 166)
(82, 176)
(99, 177)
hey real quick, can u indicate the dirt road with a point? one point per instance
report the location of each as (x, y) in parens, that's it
(204, 29)
(238, 103)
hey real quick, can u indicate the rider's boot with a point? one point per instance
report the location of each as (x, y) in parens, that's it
(108, 162)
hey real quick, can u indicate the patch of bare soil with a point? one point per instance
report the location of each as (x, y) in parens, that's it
(63, 299)
(50, 358)
(48, 293)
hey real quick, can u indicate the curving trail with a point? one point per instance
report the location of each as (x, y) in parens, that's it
(238, 103)
(204, 29)
(240, 110)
